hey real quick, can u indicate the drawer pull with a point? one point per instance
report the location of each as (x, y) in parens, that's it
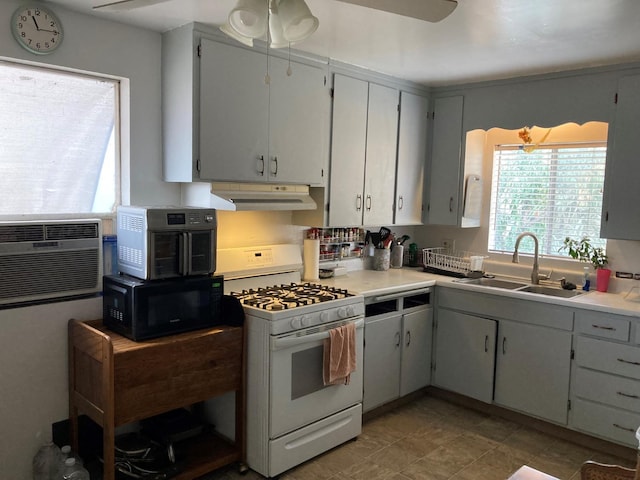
(628, 361)
(628, 395)
(603, 328)
(626, 429)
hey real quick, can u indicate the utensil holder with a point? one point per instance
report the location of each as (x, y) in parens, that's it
(397, 254)
(381, 258)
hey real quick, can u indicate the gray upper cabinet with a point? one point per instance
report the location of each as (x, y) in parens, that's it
(234, 114)
(412, 146)
(224, 121)
(443, 176)
(621, 192)
(363, 152)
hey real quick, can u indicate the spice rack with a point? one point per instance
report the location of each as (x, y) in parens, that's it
(338, 243)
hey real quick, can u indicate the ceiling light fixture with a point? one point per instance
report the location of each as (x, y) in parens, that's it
(284, 22)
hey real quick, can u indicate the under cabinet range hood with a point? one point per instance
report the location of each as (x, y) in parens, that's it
(248, 196)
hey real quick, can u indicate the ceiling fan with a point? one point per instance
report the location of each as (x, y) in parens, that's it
(427, 10)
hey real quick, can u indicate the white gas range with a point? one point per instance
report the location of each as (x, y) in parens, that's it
(291, 415)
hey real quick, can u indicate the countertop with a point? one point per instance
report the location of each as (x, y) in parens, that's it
(372, 282)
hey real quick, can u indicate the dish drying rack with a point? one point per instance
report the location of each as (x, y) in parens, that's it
(443, 261)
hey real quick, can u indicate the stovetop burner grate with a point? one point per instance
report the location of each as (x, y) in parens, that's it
(283, 297)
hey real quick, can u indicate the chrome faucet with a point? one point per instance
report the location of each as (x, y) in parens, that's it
(535, 278)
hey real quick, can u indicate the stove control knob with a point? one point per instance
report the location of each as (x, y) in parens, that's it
(295, 323)
(305, 320)
(342, 312)
(350, 311)
(324, 317)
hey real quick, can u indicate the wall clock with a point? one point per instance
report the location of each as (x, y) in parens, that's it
(37, 29)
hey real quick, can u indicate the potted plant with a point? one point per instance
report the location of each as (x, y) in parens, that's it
(584, 251)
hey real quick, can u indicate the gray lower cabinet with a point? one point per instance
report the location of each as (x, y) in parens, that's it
(532, 353)
(465, 354)
(533, 370)
(382, 354)
(397, 355)
(606, 379)
(417, 330)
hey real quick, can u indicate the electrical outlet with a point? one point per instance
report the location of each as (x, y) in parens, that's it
(449, 244)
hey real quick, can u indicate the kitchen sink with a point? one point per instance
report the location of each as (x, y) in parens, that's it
(521, 287)
(492, 282)
(551, 291)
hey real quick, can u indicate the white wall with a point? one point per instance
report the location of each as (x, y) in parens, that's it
(33, 341)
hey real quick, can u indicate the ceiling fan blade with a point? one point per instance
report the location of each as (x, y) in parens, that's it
(428, 10)
(122, 5)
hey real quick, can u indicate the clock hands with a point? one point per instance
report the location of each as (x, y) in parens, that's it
(42, 29)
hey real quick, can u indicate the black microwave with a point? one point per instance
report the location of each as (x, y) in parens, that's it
(144, 309)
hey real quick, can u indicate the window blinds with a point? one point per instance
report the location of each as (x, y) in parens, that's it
(554, 191)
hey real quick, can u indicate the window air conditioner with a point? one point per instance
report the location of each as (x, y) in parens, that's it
(42, 260)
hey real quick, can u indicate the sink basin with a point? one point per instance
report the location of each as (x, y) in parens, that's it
(493, 282)
(554, 292)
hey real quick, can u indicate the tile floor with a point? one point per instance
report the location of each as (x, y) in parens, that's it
(432, 439)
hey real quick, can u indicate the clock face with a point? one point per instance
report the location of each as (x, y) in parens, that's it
(37, 29)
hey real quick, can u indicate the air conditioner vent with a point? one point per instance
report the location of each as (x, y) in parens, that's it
(21, 233)
(71, 231)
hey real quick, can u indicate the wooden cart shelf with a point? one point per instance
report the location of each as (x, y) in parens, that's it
(116, 381)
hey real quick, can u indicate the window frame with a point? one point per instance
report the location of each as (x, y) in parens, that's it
(554, 146)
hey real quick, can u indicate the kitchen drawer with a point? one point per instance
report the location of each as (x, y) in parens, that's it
(602, 325)
(609, 389)
(605, 422)
(608, 357)
(496, 307)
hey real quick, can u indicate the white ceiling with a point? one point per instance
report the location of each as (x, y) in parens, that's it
(480, 40)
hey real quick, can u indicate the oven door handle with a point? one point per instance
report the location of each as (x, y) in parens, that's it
(292, 341)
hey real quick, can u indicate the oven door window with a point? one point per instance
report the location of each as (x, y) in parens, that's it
(298, 395)
(306, 372)
(165, 254)
(202, 250)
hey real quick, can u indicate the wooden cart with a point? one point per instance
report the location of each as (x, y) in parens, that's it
(116, 381)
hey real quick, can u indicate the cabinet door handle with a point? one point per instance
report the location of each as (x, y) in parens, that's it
(275, 162)
(628, 361)
(408, 338)
(628, 395)
(260, 165)
(603, 328)
(451, 204)
(397, 339)
(358, 202)
(486, 343)
(504, 345)
(400, 202)
(368, 202)
(626, 429)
